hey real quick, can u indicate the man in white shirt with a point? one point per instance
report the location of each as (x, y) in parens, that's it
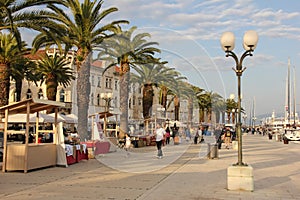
(159, 135)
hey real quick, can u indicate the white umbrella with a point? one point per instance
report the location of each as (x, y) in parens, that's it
(178, 124)
(21, 118)
(71, 118)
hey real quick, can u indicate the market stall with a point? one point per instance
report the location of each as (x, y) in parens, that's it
(27, 156)
(100, 143)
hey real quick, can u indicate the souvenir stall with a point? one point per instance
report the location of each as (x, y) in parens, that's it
(69, 149)
(27, 156)
(99, 144)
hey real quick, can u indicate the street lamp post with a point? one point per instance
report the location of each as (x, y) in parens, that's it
(228, 42)
(107, 97)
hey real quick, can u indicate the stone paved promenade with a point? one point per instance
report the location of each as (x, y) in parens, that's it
(183, 173)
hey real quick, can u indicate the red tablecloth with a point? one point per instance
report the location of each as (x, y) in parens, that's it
(101, 147)
(78, 153)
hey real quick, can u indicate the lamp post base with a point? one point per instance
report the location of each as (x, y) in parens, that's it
(240, 178)
(235, 145)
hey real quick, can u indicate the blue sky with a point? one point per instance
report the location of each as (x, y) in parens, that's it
(188, 34)
(189, 31)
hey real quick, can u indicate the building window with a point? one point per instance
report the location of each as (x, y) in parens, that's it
(116, 101)
(116, 84)
(40, 94)
(62, 95)
(98, 99)
(15, 96)
(28, 94)
(99, 82)
(93, 81)
(92, 99)
(108, 83)
(129, 104)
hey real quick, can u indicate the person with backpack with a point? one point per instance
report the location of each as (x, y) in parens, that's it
(227, 137)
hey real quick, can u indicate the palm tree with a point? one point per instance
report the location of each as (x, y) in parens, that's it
(219, 107)
(189, 94)
(9, 53)
(167, 87)
(182, 90)
(54, 71)
(17, 14)
(203, 103)
(216, 105)
(20, 69)
(127, 50)
(149, 76)
(78, 25)
(230, 105)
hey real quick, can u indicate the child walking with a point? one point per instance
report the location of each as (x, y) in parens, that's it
(127, 144)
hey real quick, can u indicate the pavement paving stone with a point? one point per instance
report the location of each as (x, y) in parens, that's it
(183, 173)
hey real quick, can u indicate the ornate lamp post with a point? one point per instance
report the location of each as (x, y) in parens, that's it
(250, 42)
(107, 97)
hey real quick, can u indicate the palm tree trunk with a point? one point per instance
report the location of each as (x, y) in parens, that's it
(176, 106)
(223, 117)
(147, 100)
(124, 84)
(51, 91)
(218, 116)
(18, 89)
(209, 114)
(83, 95)
(228, 117)
(4, 84)
(164, 97)
(190, 113)
(201, 115)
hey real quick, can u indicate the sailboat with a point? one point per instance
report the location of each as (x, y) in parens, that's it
(291, 132)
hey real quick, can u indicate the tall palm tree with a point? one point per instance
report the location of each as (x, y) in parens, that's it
(167, 87)
(9, 52)
(149, 76)
(181, 91)
(20, 69)
(17, 14)
(203, 103)
(219, 107)
(230, 105)
(127, 50)
(54, 71)
(216, 105)
(79, 25)
(189, 94)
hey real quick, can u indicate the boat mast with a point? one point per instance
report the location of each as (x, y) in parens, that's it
(294, 94)
(288, 107)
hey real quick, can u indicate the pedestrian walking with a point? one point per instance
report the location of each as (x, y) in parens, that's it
(168, 135)
(196, 137)
(127, 144)
(227, 137)
(174, 132)
(159, 136)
